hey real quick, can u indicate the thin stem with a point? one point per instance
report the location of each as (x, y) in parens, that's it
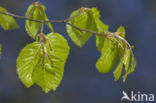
(66, 21)
(19, 17)
(42, 26)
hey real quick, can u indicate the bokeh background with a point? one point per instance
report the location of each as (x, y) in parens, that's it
(82, 83)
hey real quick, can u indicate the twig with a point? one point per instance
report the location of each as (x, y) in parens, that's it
(66, 21)
(42, 26)
(28, 18)
(19, 17)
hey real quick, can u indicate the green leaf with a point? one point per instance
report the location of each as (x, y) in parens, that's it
(125, 59)
(36, 11)
(85, 20)
(102, 28)
(49, 24)
(108, 57)
(26, 63)
(130, 69)
(33, 27)
(110, 50)
(43, 63)
(124, 54)
(7, 22)
(118, 71)
(121, 29)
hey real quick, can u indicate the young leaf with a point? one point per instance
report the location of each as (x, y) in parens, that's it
(7, 22)
(43, 63)
(36, 11)
(102, 28)
(125, 59)
(26, 63)
(108, 57)
(121, 30)
(51, 75)
(118, 71)
(130, 69)
(33, 27)
(85, 20)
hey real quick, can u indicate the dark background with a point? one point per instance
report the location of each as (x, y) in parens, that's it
(82, 83)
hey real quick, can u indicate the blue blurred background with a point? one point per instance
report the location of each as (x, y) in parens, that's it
(82, 83)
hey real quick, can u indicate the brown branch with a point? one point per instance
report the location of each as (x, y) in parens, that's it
(27, 18)
(42, 27)
(66, 21)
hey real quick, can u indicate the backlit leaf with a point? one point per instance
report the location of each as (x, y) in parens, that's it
(118, 71)
(109, 56)
(36, 11)
(85, 20)
(125, 59)
(121, 30)
(102, 28)
(130, 69)
(43, 64)
(7, 22)
(26, 63)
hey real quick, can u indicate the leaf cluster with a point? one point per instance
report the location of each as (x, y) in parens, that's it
(42, 62)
